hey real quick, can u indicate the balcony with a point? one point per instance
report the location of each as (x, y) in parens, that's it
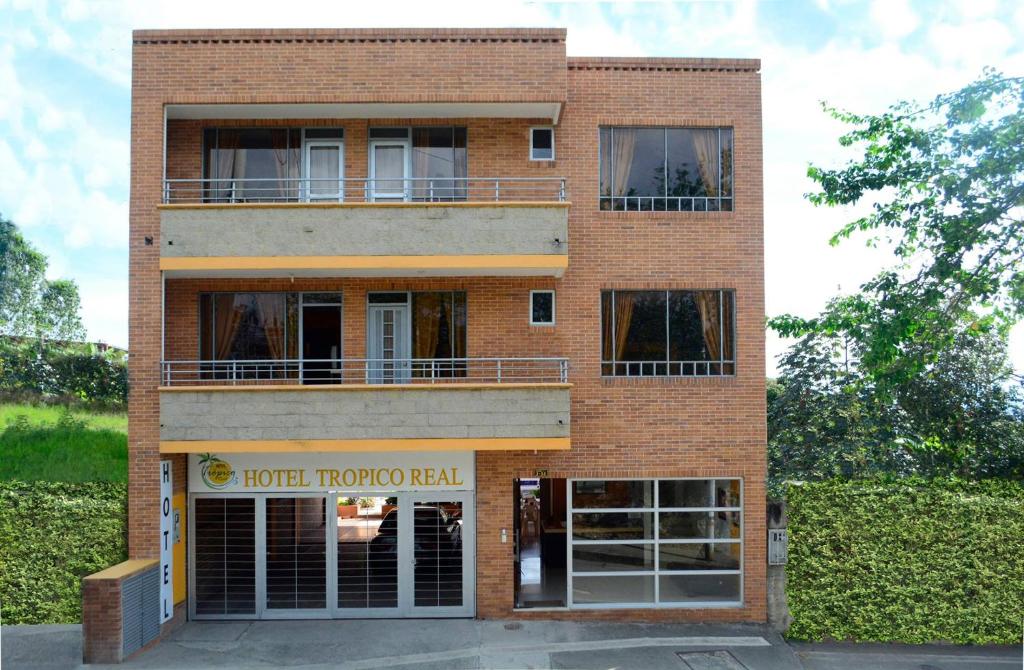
(364, 404)
(496, 226)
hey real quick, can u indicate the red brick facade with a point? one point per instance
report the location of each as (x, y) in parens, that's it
(712, 427)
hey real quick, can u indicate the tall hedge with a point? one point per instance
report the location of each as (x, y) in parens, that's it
(70, 373)
(908, 561)
(52, 535)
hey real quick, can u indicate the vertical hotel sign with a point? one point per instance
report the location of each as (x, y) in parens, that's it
(166, 542)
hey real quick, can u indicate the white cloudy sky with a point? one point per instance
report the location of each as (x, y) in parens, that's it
(65, 99)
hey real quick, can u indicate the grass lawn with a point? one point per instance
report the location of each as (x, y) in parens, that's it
(52, 444)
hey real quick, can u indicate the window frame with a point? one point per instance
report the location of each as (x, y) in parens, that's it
(550, 129)
(656, 541)
(719, 199)
(721, 362)
(546, 324)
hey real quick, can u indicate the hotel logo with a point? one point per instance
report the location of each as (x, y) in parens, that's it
(217, 473)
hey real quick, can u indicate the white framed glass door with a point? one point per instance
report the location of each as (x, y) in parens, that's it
(389, 170)
(442, 570)
(323, 161)
(295, 551)
(387, 344)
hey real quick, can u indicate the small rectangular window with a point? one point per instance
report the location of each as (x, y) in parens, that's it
(542, 308)
(542, 144)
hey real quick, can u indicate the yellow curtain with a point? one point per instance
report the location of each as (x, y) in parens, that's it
(707, 305)
(229, 311)
(624, 303)
(705, 144)
(270, 307)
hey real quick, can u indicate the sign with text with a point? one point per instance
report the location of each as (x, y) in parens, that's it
(340, 471)
(166, 542)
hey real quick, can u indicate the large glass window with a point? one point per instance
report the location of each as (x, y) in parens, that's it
(439, 164)
(659, 169)
(439, 333)
(248, 335)
(251, 164)
(667, 333)
(665, 542)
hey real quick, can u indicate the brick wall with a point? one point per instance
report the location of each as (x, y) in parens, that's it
(644, 428)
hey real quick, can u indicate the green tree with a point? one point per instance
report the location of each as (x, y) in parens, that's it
(962, 414)
(31, 305)
(946, 184)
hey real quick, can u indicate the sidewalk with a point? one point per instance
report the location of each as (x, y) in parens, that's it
(462, 643)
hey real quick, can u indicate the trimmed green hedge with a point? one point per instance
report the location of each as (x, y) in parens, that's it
(52, 535)
(909, 561)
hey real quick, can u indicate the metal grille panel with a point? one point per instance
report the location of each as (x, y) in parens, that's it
(140, 610)
(225, 556)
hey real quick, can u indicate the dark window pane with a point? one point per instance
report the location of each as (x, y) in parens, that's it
(727, 493)
(684, 493)
(543, 144)
(612, 557)
(619, 589)
(686, 336)
(612, 493)
(438, 162)
(325, 298)
(206, 327)
(613, 526)
(695, 525)
(225, 556)
(607, 332)
(387, 298)
(542, 309)
(699, 556)
(728, 325)
(439, 332)
(699, 588)
(639, 163)
(605, 155)
(726, 135)
(249, 326)
(693, 161)
(325, 133)
(640, 333)
(389, 133)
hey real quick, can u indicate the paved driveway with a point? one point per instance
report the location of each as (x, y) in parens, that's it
(461, 643)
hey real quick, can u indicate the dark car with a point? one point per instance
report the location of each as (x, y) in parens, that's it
(437, 540)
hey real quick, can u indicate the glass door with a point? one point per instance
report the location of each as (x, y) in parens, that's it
(368, 545)
(324, 170)
(389, 170)
(295, 556)
(387, 344)
(442, 554)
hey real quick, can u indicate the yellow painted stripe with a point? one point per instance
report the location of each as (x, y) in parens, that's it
(525, 204)
(180, 505)
(468, 262)
(204, 388)
(125, 569)
(396, 444)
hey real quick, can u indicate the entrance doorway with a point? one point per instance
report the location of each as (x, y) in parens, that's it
(334, 554)
(389, 169)
(540, 555)
(388, 338)
(321, 338)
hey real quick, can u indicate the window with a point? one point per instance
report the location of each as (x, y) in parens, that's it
(251, 164)
(542, 308)
(248, 326)
(666, 169)
(439, 163)
(667, 333)
(542, 144)
(656, 543)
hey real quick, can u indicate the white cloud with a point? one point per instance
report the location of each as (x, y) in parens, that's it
(894, 18)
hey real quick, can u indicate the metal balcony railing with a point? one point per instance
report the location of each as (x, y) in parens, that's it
(366, 371)
(314, 190)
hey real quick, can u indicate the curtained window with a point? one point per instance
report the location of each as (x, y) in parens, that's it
(247, 326)
(439, 333)
(667, 333)
(439, 164)
(251, 164)
(659, 169)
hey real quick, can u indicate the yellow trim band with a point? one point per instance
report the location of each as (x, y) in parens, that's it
(125, 569)
(525, 204)
(397, 444)
(206, 388)
(468, 262)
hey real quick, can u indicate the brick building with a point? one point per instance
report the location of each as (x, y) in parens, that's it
(446, 323)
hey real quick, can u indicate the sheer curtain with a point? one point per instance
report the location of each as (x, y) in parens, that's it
(270, 309)
(227, 152)
(705, 145)
(426, 324)
(229, 311)
(623, 148)
(279, 145)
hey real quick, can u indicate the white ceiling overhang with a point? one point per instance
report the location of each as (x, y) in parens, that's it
(369, 110)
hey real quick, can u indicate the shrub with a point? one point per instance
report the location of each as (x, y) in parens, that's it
(52, 535)
(68, 373)
(911, 561)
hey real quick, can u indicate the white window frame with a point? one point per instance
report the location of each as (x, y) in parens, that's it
(655, 572)
(553, 307)
(552, 130)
